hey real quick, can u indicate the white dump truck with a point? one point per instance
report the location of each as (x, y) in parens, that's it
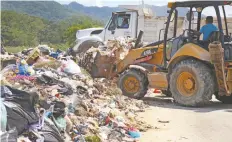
(126, 23)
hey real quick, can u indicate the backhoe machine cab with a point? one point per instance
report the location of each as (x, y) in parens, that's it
(192, 70)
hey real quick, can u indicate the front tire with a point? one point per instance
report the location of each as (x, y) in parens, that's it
(87, 45)
(192, 83)
(133, 83)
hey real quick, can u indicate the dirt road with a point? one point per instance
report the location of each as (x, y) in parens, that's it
(173, 123)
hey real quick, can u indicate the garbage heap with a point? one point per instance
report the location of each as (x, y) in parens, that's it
(99, 61)
(47, 97)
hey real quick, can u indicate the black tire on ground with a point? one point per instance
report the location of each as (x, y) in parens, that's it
(204, 84)
(142, 82)
(225, 99)
(166, 93)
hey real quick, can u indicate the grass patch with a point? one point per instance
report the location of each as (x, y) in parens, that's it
(17, 49)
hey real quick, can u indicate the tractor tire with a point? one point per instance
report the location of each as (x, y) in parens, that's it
(133, 83)
(192, 83)
(225, 99)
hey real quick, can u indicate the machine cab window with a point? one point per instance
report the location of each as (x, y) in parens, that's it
(201, 25)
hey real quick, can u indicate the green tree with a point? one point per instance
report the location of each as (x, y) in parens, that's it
(70, 34)
(25, 30)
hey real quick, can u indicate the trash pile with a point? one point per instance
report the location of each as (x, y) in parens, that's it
(47, 97)
(117, 48)
(105, 56)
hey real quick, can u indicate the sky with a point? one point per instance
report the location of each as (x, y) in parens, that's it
(115, 3)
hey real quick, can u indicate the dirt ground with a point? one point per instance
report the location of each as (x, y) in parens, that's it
(173, 123)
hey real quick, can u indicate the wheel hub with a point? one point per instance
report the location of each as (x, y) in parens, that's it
(189, 84)
(186, 84)
(131, 84)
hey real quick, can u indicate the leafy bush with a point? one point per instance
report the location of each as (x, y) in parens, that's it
(19, 29)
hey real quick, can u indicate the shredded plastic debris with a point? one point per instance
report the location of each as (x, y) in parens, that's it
(53, 100)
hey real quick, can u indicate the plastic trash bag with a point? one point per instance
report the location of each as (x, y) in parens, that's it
(5, 91)
(70, 67)
(59, 109)
(3, 117)
(50, 132)
(26, 100)
(30, 70)
(65, 88)
(23, 70)
(9, 136)
(20, 107)
(8, 68)
(60, 123)
(19, 117)
(55, 54)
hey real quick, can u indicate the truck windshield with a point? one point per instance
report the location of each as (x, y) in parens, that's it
(108, 23)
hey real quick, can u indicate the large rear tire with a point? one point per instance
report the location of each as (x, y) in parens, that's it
(192, 83)
(133, 83)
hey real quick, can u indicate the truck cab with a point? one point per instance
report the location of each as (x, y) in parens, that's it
(126, 24)
(121, 24)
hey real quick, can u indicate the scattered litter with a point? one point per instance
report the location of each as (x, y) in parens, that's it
(162, 121)
(53, 100)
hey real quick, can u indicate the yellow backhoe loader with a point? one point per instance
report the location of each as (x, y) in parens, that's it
(189, 69)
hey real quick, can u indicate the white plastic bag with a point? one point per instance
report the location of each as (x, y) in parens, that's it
(71, 67)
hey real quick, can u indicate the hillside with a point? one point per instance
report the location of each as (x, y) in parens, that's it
(19, 29)
(101, 13)
(27, 23)
(49, 10)
(53, 11)
(104, 13)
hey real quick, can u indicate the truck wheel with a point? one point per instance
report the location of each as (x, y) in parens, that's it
(133, 83)
(87, 45)
(192, 83)
(225, 99)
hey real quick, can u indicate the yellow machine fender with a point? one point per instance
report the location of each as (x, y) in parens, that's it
(190, 50)
(142, 69)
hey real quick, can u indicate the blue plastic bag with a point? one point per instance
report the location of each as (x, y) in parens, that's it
(23, 70)
(54, 55)
(134, 134)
